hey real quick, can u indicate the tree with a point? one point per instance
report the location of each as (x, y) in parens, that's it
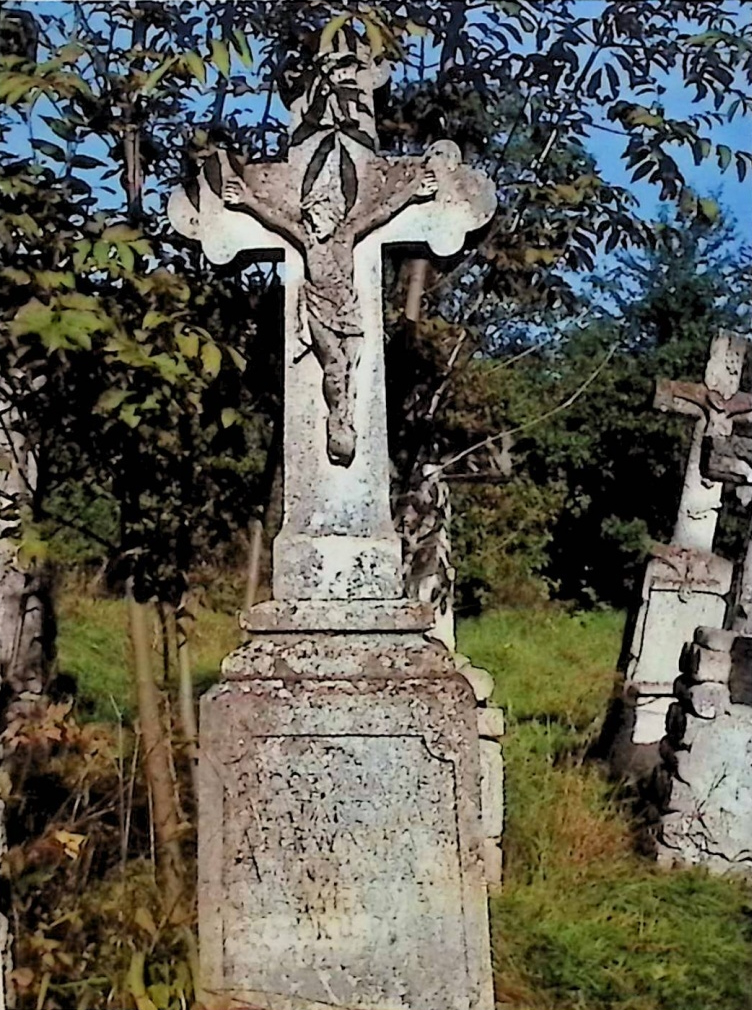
(622, 461)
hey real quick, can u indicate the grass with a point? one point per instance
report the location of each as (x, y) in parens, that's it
(583, 923)
(94, 648)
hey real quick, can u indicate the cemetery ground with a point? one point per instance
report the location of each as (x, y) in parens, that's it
(584, 922)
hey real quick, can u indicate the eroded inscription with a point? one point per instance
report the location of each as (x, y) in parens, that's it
(343, 851)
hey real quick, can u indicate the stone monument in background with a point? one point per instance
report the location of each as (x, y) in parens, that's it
(688, 690)
(344, 844)
(685, 583)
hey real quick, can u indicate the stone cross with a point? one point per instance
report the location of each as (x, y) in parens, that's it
(330, 209)
(715, 403)
(729, 459)
(685, 584)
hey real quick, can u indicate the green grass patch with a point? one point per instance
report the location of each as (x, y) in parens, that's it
(582, 922)
(94, 648)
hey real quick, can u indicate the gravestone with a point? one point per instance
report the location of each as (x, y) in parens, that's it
(685, 584)
(343, 833)
(709, 739)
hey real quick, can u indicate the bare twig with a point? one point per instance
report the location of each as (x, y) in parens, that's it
(535, 420)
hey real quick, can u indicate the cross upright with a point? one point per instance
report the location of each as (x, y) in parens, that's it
(728, 459)
(330, 209)
(715, 403)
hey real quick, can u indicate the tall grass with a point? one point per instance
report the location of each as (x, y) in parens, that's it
(582, 922)
(94, 649)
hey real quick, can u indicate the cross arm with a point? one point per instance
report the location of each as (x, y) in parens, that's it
(680, 397)
(696, 399)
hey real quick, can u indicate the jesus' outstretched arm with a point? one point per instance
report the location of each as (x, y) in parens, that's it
(263, 190)
(403, 185)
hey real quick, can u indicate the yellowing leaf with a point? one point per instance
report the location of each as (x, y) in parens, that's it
(709, 209)
(33, 317)
(211, 358)
(534, 256)
(70, 842)
(145, 920)
(413, 28)
(237, 359)
(160, 994)
(196, 65)
(640, 116)
(220, 56)
(157, 74)
(188, 344)
(374, 36)
(229, 417)
(135, 982)
(111, 399)
(331, 29)
(243, 50)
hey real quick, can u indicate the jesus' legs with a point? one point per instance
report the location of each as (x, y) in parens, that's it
(338, 356)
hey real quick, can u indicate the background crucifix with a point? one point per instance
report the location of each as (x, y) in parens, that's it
(715, 403)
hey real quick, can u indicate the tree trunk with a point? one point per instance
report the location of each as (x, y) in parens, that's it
(183, 620)
(22, 598)
(158, 768)
(23, 602)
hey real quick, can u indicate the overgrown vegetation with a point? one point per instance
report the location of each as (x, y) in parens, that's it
(583, 923)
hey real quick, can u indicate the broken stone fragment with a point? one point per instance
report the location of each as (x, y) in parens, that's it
(492, 788)
(491, 724)
(480, 680)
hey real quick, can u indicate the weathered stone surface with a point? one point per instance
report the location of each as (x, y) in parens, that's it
(493, 861)
(682, 590)
(492, 793)
(710, 817)
(650, 718)
(715, 403)
(685, 584)
(338, 615)
(341, 843)
(491, 722)
(480, 680)
(331, 209)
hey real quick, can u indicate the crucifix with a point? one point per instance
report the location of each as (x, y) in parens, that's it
(685, 584)
(715, 404)
(728, 459)
(330, 209)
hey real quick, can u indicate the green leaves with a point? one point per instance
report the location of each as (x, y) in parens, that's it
(211, 359)
(195, 64)
(157, 74)
(67, 322)
(220, 56)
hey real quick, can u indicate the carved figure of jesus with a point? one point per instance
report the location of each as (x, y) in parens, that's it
(326, 232)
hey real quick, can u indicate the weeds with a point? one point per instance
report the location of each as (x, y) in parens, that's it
(582, 922)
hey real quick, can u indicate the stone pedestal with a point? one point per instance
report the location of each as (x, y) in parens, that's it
(708, 751)
(341, 838)
(683, 589)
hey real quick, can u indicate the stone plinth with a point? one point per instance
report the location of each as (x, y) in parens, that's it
(341, 840)
(683, 589)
